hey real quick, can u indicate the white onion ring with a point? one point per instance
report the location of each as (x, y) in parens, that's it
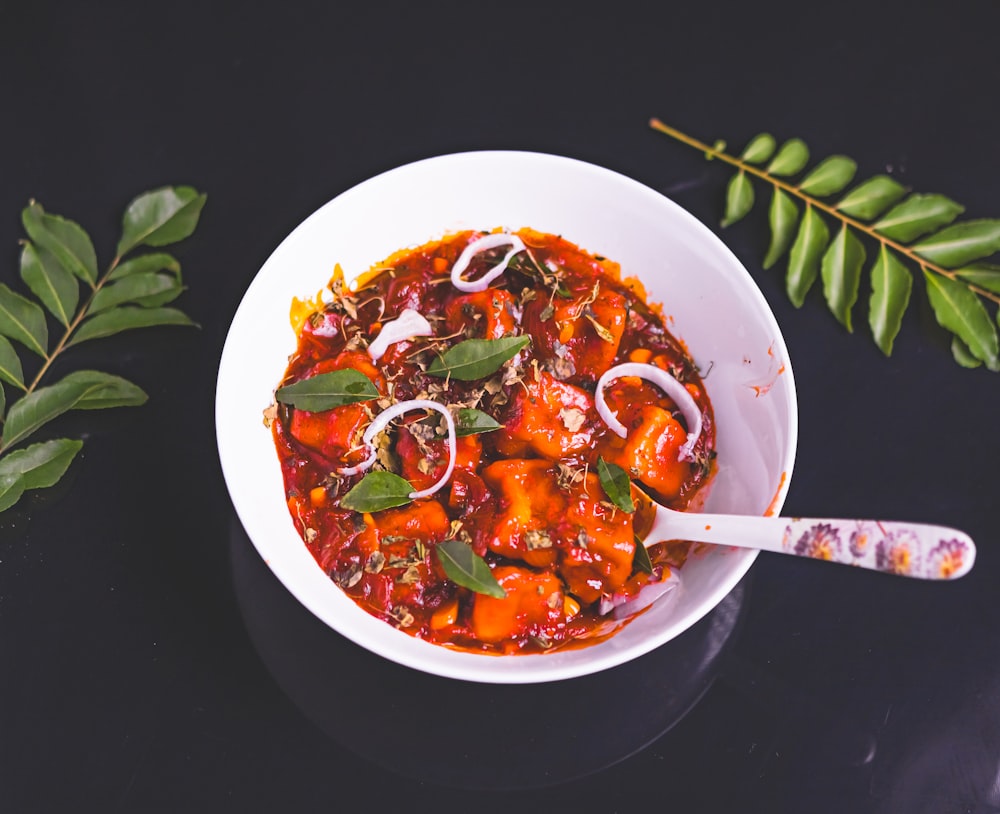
(481, 245)
(668, 384)
(382, 419)
(408, 324)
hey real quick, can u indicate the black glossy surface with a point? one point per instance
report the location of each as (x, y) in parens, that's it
(148, 662)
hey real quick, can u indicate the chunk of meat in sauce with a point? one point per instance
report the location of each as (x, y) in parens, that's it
(600, 542)
(336, 434)
(548, 417)
(590, 543)
(534, 602)
(581, 335)
(650, 451)
(485, 314)
(529, 499)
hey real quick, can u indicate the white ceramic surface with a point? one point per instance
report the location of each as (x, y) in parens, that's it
(713, 306)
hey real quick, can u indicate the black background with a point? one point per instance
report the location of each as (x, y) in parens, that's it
(139, 669)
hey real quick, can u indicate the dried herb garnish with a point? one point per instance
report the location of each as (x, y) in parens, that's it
(906, 230)
(58, 261)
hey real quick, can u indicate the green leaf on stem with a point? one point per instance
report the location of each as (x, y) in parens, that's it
(871, 198)
(917, 215)
(891, 285)
(146, 289)
(41, 465)
(34, 410)
(57, 289)
(466, 568)
(616, 485)
(377, 491)
(960, 311)
(10, 364)
(804, 257)
(477, 358)
(982, 275)
(961, 354)
(160, 217)
(791, 158)
(11, 489)
(146, 263)
(470, 422)
(783, 216)
(841, 271)
(759, 149)
(125, 318)
(64, 238)
(739, 198)
(104, 390)
(960, 243)
(23, 321)
(325, 391)
(830, 175)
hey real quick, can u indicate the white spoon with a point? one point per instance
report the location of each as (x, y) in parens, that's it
(906, 549)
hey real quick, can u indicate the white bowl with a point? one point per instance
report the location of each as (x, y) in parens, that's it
(712, 305)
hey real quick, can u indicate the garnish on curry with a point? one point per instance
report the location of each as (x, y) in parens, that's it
(468, 440)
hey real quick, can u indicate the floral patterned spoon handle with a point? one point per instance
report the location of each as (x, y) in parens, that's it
(907, 549)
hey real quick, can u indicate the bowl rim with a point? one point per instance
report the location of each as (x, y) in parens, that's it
(468, 666)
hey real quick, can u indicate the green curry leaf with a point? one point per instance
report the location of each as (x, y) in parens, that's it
(10, 364)
(739, 198)
(908, 231)
(23, 321)
(130, 294)
(160, 217)
(891, 286)
(466, 568)
(11, 489)
(377, 491)
(325, 391)
(791, 158)
(41, 465)
(470, 422)
(616, 485)
(476, 359)
(783, 215)
(124, 318)
(57, 288)
(805, 255)
(841, 272)
(64, 238)
(640, 560)
(960, 311)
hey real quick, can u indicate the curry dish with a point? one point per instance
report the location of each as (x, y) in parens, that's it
(502, 406)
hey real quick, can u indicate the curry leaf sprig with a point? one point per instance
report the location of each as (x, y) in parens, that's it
(59, 268)
(906, 230)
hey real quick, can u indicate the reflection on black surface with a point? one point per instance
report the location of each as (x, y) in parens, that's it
(467, 734)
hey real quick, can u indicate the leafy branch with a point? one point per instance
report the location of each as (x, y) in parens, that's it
(59, 267)
(908, 229)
